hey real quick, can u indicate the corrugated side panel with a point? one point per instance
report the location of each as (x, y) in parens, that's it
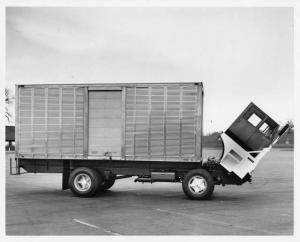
(25, 121)
(160, 122)
(50, 122)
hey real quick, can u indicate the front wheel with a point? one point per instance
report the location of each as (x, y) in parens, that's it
(198, 184)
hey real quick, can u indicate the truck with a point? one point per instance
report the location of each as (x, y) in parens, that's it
(95, 134)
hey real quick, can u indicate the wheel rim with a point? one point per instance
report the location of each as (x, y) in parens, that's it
(82, 182)
(197, 184)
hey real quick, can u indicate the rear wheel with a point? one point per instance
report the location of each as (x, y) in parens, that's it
(108, 183)
(84, 181)
(198, 184)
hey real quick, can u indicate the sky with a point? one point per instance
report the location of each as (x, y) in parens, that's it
(240, 54)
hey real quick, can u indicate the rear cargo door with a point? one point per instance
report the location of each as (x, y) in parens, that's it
(105, 114)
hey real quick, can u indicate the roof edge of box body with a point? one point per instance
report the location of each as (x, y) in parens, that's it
(110, 84)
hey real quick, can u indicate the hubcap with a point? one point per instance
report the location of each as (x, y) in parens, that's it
(82, 182)
(197, 184)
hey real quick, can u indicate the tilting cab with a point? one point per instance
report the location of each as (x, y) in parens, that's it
(248, 139)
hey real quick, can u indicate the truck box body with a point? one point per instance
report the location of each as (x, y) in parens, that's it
(152, 122)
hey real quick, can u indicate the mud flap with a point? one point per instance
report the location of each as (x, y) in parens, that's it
(65, 175)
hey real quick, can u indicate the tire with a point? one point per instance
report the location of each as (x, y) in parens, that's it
(108, 183)
(198, 184)
(84, 182)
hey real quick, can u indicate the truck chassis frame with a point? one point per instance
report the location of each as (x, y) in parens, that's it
(124, 169)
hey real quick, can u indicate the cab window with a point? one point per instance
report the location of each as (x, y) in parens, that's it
(254, 119)
(264, 128)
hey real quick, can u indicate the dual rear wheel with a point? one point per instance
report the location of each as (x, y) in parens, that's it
(86, 182)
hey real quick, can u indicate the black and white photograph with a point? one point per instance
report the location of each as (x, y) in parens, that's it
(149, 120)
